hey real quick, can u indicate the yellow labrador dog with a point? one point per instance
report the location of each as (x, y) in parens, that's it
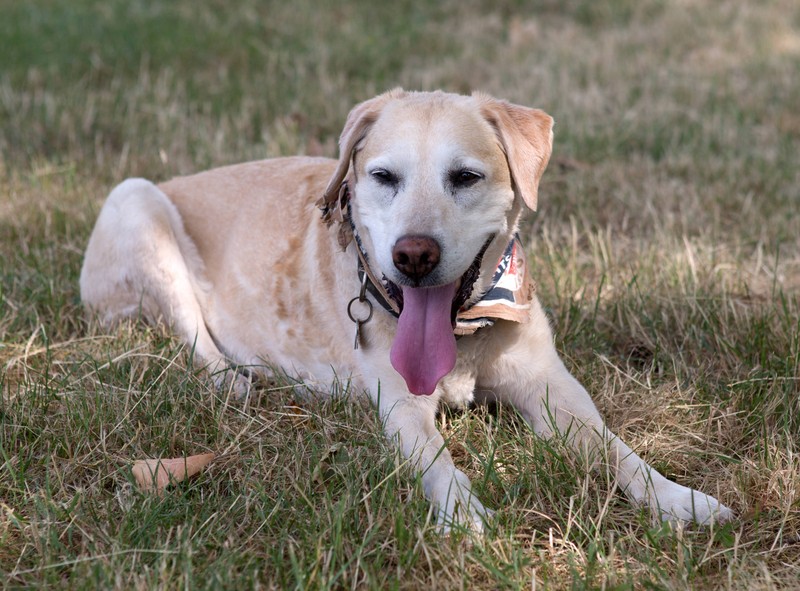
(411, 282)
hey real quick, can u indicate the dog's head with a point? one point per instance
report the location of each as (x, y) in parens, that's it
(438, 182)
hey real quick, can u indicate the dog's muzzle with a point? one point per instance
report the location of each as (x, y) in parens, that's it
(467, 283)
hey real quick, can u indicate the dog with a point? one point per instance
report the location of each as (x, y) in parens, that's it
(410, 281)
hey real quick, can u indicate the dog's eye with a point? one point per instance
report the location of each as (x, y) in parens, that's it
(463, 178)
(384, 177)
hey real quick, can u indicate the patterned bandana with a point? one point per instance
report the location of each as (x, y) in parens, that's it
(508, 298)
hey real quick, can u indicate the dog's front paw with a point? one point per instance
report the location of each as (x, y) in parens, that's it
(457, 506)
(679, 504)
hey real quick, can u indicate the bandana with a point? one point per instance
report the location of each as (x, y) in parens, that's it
(508, 298)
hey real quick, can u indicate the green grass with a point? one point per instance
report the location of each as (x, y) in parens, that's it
(666, 251)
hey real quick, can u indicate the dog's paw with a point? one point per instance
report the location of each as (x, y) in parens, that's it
(457, 506)
(234, 382)
(680, 504)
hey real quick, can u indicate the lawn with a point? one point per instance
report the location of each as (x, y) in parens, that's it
(666, 250)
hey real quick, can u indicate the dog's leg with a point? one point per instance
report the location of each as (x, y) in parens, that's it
(141, 262)
(530, 375)
(410, 421)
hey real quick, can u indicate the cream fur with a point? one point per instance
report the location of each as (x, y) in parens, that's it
(240, 253)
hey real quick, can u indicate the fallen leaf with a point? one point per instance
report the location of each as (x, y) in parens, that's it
(156, 475)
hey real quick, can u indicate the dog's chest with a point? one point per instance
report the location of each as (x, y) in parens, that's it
(458, 387)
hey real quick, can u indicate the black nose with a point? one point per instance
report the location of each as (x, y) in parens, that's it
(416, 256)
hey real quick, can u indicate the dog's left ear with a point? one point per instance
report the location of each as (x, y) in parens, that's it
(360, 119)
(526, 136)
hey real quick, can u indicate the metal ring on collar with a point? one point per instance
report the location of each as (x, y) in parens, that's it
(350, 311)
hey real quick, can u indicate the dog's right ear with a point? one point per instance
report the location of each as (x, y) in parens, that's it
(360, 119)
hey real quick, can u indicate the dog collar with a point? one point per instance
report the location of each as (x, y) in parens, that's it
(508, 296)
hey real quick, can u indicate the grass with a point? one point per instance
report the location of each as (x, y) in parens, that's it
(666, 250)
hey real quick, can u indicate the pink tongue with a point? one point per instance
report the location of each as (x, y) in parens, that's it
(424, 348)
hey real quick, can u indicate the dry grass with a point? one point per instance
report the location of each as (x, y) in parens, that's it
(667, 250)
